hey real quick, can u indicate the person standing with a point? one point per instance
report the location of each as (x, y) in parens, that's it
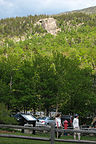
(58, 124)
(76, 126)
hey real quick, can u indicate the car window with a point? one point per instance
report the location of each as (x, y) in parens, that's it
(39, 118)
(48, 118)
(43, 118)
(51, 118)
(17, 116)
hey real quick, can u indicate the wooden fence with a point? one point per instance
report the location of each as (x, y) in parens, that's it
(52, 131)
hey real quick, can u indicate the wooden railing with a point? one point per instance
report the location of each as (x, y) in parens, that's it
(52, 131)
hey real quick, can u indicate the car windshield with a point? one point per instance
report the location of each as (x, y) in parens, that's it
(51, 118)
(46, 118)
(43, 118)
(17, 116)
(40, 118)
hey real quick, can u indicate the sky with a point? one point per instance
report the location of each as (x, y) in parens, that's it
(13, 8)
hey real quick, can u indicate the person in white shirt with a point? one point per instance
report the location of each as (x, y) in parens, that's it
(58, 124)
(76, 126)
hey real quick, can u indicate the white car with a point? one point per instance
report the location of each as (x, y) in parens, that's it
(45, 121)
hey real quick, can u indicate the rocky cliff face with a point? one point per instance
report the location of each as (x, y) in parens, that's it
(49, 24)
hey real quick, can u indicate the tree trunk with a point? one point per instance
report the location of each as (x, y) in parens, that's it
(11, 83)
(45, 112)
(56, 108)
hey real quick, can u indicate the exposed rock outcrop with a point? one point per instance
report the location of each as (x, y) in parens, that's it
(49, 24)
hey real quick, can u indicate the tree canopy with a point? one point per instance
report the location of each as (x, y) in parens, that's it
(46, 72)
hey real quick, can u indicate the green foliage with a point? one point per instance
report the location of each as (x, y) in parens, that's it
(43, 71)
(5, 115)
(19, 26)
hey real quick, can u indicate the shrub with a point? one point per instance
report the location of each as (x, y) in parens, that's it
(5, 117)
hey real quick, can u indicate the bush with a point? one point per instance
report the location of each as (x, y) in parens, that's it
(5, 117)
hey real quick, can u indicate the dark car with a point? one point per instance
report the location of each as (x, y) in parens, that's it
(69, 118)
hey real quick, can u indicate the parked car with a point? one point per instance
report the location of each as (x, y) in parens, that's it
(45, 120)
(69, 118)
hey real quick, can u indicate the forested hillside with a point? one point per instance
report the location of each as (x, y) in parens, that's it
(89, 10)
(44, 71)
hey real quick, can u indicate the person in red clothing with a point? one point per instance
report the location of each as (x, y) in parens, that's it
(65, 126)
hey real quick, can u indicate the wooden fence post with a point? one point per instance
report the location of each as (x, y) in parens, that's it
(52, 134)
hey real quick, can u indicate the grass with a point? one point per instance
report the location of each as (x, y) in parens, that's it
(20, 141)
(25, 141)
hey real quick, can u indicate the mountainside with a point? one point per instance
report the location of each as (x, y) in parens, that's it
(49, 62)
(22, 27)
(89, 10)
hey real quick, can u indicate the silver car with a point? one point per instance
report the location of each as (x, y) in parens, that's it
(45, 120)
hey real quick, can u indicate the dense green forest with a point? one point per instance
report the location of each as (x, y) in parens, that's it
(45, 71)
